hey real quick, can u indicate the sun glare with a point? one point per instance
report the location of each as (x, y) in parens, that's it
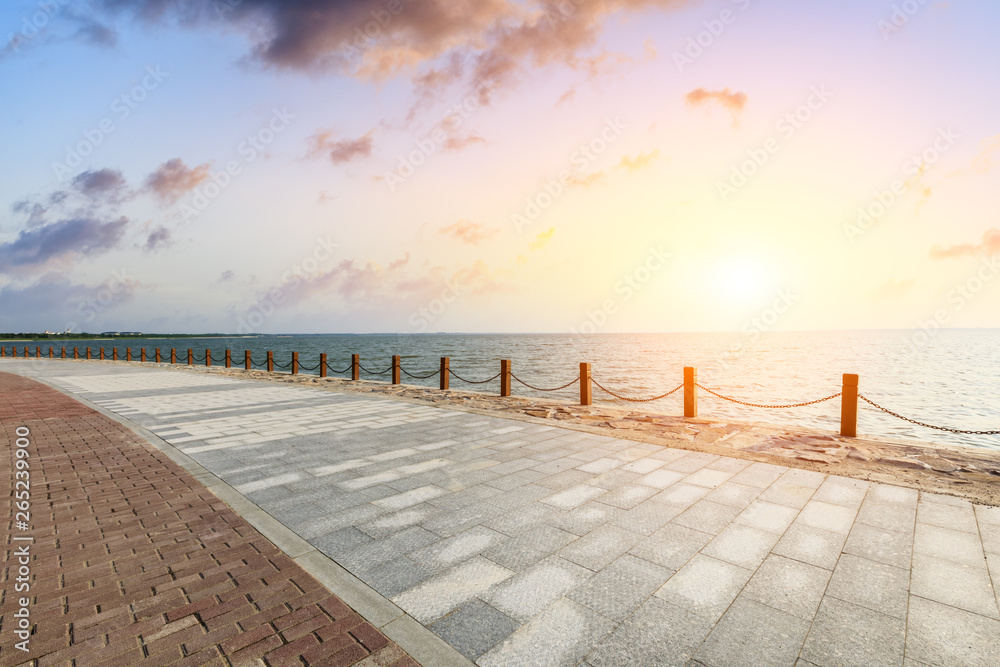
(740, 280)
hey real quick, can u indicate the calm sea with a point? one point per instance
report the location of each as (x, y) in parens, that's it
(949, 379)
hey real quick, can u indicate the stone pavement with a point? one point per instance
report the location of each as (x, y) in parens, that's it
(521, 543)
(129, 558)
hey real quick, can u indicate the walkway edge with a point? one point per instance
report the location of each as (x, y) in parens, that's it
(420, 643)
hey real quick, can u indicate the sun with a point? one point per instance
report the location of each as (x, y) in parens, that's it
(740, 279)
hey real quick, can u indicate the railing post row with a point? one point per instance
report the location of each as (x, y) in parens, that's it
(445, 372)
(208, 357)
(395, 369)
(295, 363)
(322, 365)
(246, 360)
(355, 367)
(270, 361)
(190, 357)
(158, 357)
(229, 358)
(585, 388)
(505, 377)
(142, 354)
(173, 355)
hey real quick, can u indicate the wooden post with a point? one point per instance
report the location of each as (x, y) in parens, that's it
(64, 353)
(295, 363)
(229, 359)
(51, 352)
(128, 353)
(690, 392)
(395, 369)
(26, 352)
(190, 357)
(3, 351)
(13, 351)
(100, 353)
(38, 352)
(585, 395)
(142, 354)
(76, 352)
(322, 365)
(173, 355)
(445, 372)
(158, 357)
(849, 406)
(270, 361)
(355, 366)
(505, 377)
(246, 360)
(208, 357)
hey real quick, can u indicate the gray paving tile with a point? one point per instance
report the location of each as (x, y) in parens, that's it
(658, 634)
(530, 547)
(741, 545)
(617, 590)
(705, 586)
(443, 554)
(394, 576)
(474, 628)
(954, 516)
(574, 496)
(435, 597)
(890, 516)
(644, 465)
(794, 587)
(842, 491)
(876, 586)
(671, 546)
(767, 516)
(395, 522)
(691, 462)
(708, 477)
(523, 519)
(954, 545)
(707, 516)
(586, 518)
(646, 518)
(661, 479)
(846, 635)
(341, 542)
(759, 475)
(964, 586)
(784, 493)
(529, 592)
(731, 493)
(939, 634)
(990, 534)
(381, 551)
(801, 477)
(600, 546)
(826, 516)
(880, 545)
(627, 497)
(681, 495)
(563, 635)
(753, 635)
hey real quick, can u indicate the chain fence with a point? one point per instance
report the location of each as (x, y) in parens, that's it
(920, 423)
(761, 405)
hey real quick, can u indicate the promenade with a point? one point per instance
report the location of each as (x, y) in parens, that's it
(469, 539)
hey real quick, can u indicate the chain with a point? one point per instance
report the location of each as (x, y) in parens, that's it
(635, 400)
(307, 368)
(914, 421)
(758, 405)
(473, 381)
(568, 384)
(373, 372)
(334, 370)
(419, 377)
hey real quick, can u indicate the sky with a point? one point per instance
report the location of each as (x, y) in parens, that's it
(411, 166)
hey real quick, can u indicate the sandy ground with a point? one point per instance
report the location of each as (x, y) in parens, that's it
(965, 472)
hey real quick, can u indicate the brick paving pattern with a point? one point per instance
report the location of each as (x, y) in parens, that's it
(134, 560)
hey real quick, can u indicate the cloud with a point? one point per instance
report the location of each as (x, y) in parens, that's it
(990, 245)
(472, 233)
(497, 39)
(227, 276)
(986, 159)
(543, 239)
(157, 239)
(734, 102)
(106, 184)
(456, 144)
(640, 161)
(75, 236)
(342, 150)
(173, 178)
(586, 180)
(55, 302)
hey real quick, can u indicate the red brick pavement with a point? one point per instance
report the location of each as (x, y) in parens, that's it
(134, 560)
